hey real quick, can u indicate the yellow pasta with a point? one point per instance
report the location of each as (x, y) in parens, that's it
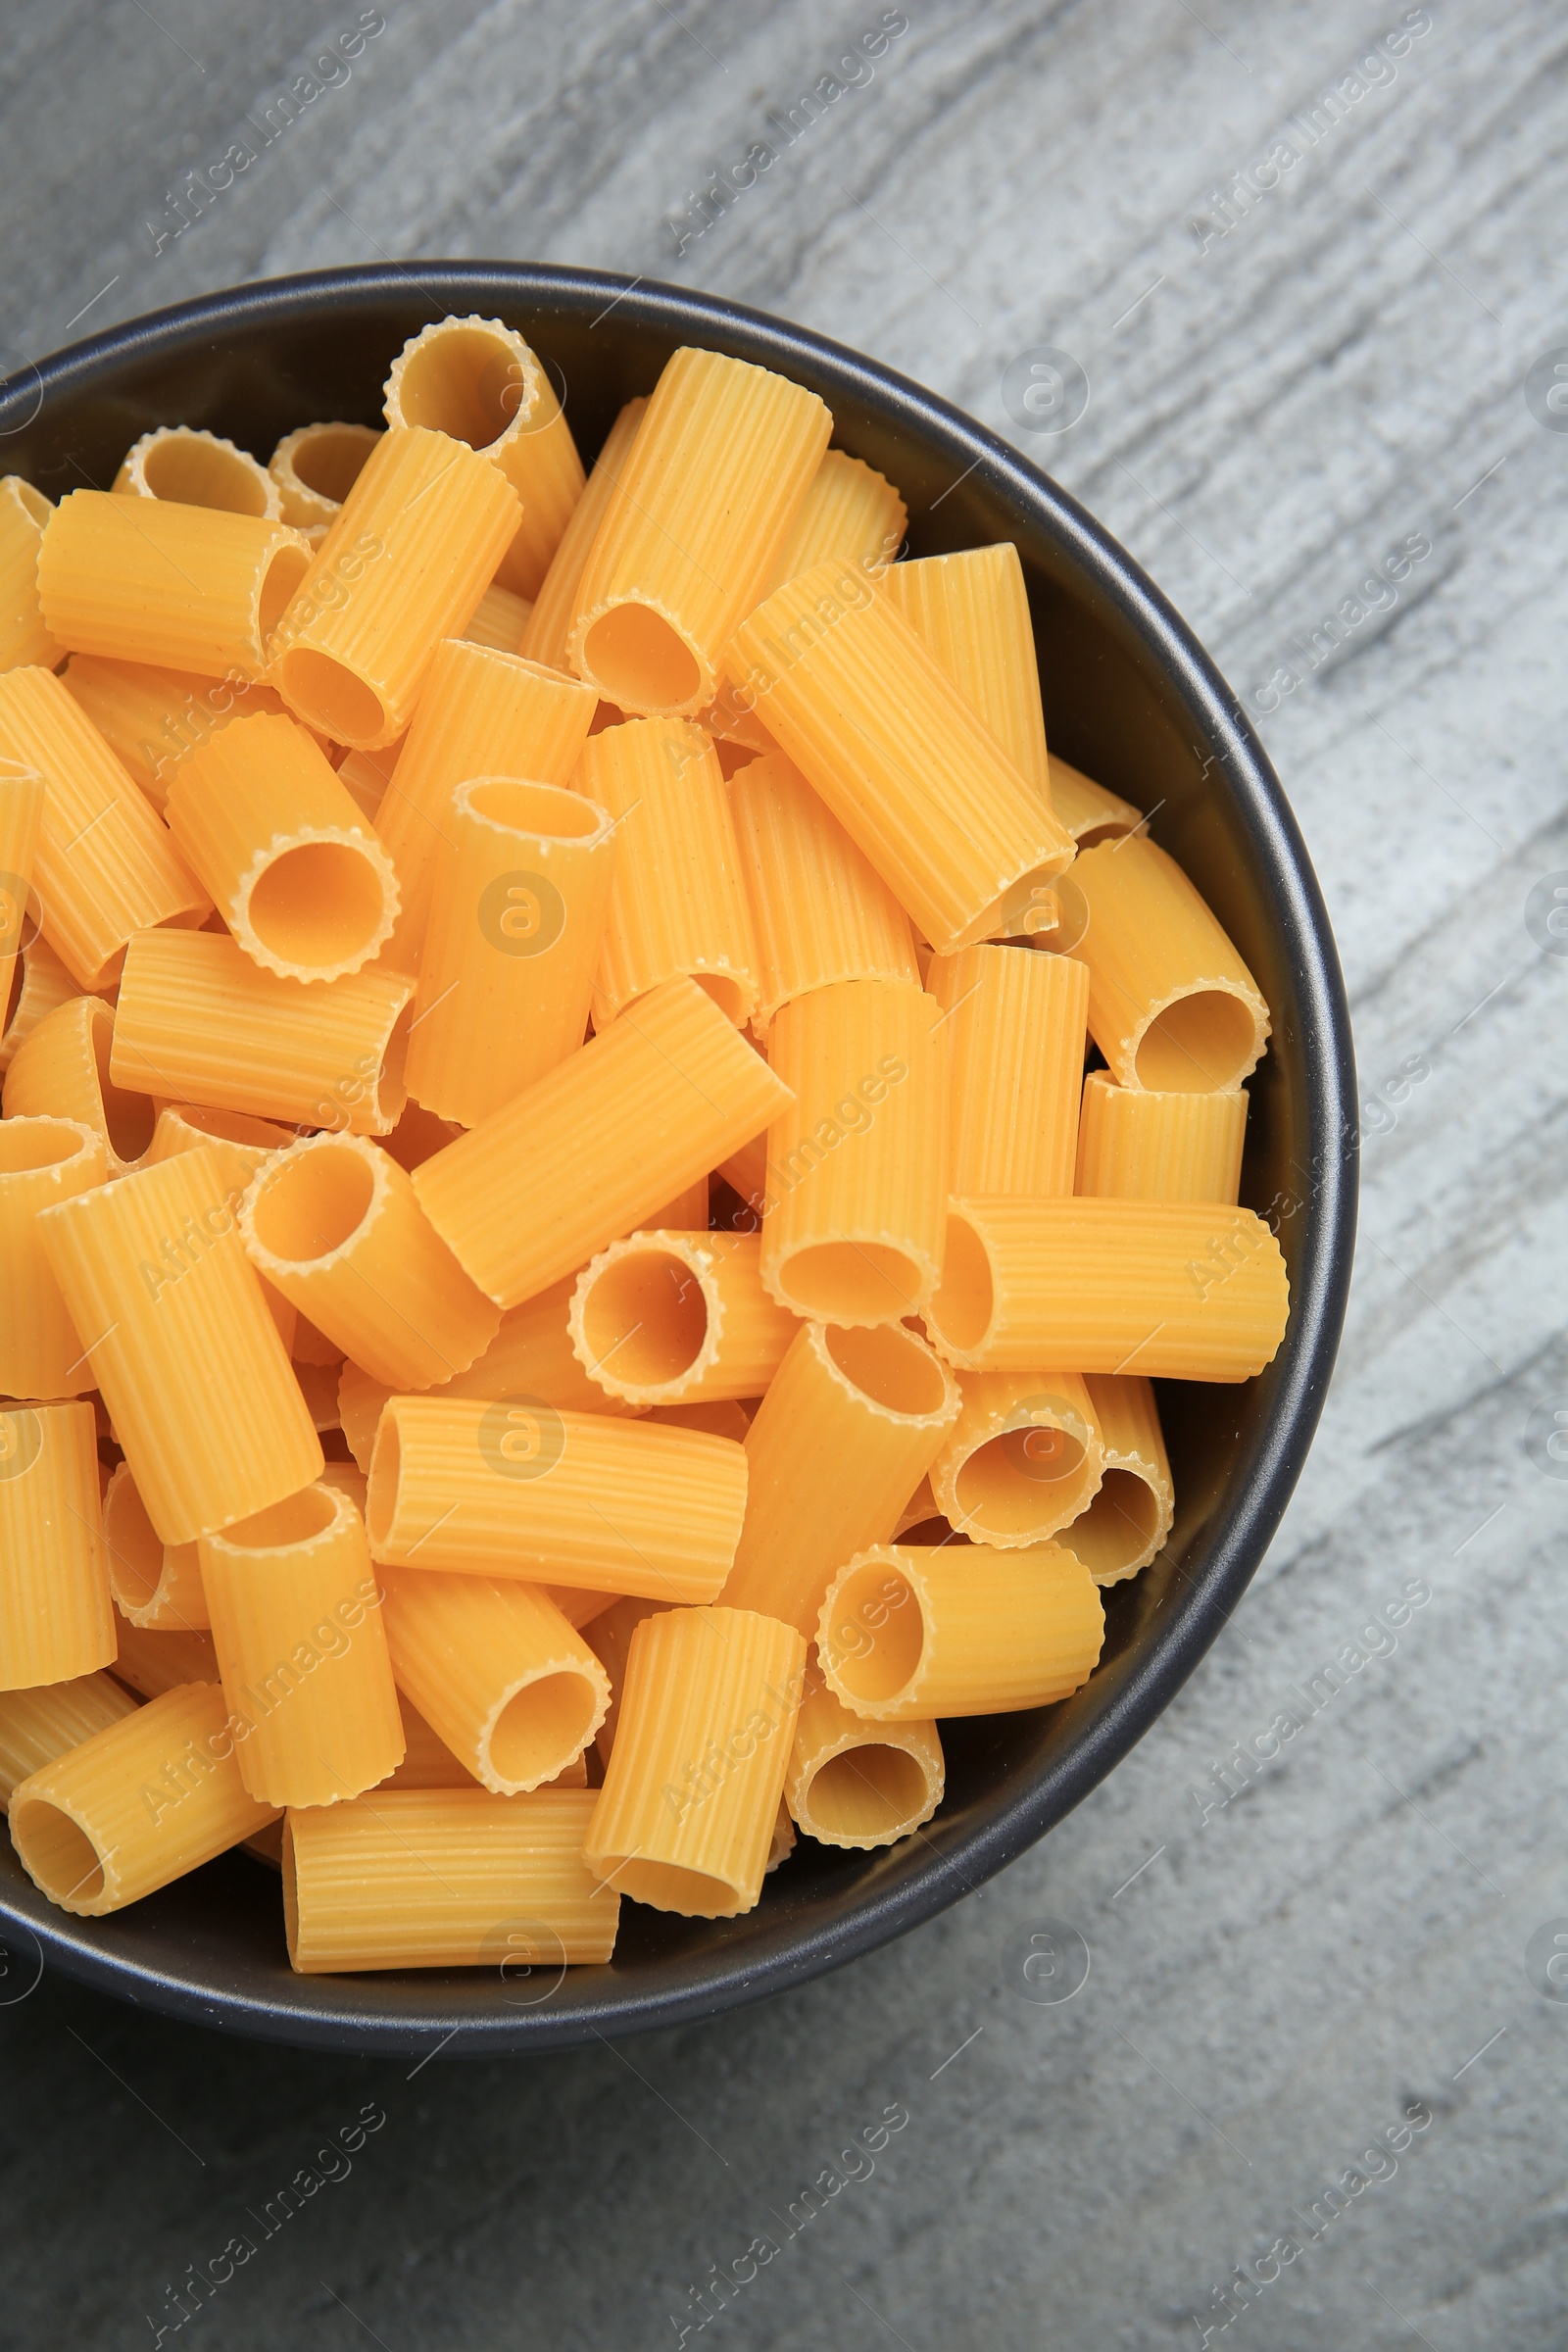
(875, 725)
(515, 928)
(1172, 1289)
(318, 1388)
(1014, 1035)
(313, 1347)
(195, 468)
(403, 564)
(42, 1161)
(23, 639)
(505, 1681)
(519, 1488)
(722, 1417)
(685, 1818)
(334, 1224)
(63, 1071)
(734, 728)
(38, 983)
(316, 467)
(155, 1585)
(38, 1725)
(544, 639)
(1090, 813)
(153, 1662)
(198, 1020)
(1023, 1457)
(136, 1806)
(677, 900)
(858, 1162)
(182, 587)
(302, 1650)
(686, 1211)
(1130, 1517)
(481, 713)
(610, 1641)
(304, 885)
(478, 382)
(427, 1761)
(104, 867)
(668, 1316)
(692, 534)
(57, 1619)
(912, 1632)
(499, 619)
(1134, 1146)
(970, 610)
(855, 1783)
(1171, 1005)
(605, 1137)
(20, 822)
(850, 512)
(181, 1346)
(849, 1426)
(243, 1143)
(820, 911)
(151, 719)
(447, 1878)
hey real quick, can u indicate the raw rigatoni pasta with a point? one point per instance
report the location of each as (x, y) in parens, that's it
(198, 1020)
(611, 1132)
(668, 1316)
(57, 1619)
(38, 1725)
(242, 1144)
(1090, 813)
(505, 1679)
(1015, 1036)
(848, 1427)
(23, 639)
(610, 1641)
(970, 610)
(303, 883)
(105, 867)
(916, 1632)
(427, 1761)
(519, 1488)
(1023, 1457)
(549, 626)
(962, 836)
(478, 382)
(1136, 1145)
(480, 713)
(142, 579)
(820, 911)
(334, 1224)
(302, 1650)
(196, 468)
(685, 1818)
(1130, 1514)
(513, 939)
(692, 533)
(447, 1878)
(499, 619)
(849, 510)
(136, 1806)
(408, 557)
(857, 1160)
(151, 1662)
(63, 1071)
(182, 1347)
(20, 822)
(1171, 1005)
(155, 1585)
(316, 467)
(856, 1784)
(677, 900)
(39, 982)
(42, 1161)
(1175, 1289)
(151, 719)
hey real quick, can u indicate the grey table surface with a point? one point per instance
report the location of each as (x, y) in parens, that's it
(1292, 377)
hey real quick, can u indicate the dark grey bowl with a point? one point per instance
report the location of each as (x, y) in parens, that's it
(1131, 699)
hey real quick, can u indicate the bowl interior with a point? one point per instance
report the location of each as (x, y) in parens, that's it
(1130, 699)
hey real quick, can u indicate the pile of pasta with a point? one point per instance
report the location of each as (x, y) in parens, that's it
(565, 1299)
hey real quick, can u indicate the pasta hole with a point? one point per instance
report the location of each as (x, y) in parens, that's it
(298, 1519)
(57, 1854)
(666, 1888)
(34, 501)
(18, 981)
(727, 994)
(876, 1633)
(1203, 1044)
(233, 1126)
(195, 472)
(964, 1300)
(867, 1791)
(291, 1893)
(467, 381)
(891, 1366)
(319, 903)
(1118, 1527)
(1019, 1484)
(851, 1282)
(128, 1118)
(645, 1320)
(136, 1548)
(326, 695)
(281, 577)
(35, 1142)
(636, 658)
(314, 1202)
(331, 461)
(547, 810)
(381, 1486)
(542, 1727)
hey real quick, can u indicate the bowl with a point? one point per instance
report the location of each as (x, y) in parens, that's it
(1131, 699)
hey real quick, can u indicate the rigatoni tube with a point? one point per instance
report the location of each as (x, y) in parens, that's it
(908, 1631)
(1135, 1146)
(544, 638)
(42, 1162)
(517, 925)
(685, 1818)
(155, 1584)
(22, 800)
(152, 1660)
(1015, 1036)
(63, 1070)
(36, 1726)
(849, 510)
(190, 468)
(1090, 813)
(1023, 1457)
(970, 610)
(56, 1615)
(856, 1784)
(666, 1317)
(24, 638)
(316, 467)
(1130, 1515)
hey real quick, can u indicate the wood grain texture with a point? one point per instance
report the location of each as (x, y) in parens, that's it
(1273, 1977)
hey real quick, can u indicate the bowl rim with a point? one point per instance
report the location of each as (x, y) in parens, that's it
(702, 1984)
